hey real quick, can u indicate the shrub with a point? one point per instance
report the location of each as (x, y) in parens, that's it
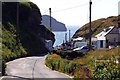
(65, 66)
(69, 54)
(3, 67)
(109, 71)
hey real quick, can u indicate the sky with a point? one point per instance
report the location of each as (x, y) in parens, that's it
(76, 12)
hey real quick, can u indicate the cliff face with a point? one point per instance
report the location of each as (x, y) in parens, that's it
(97, 26)
(55, 25)
(22, 33)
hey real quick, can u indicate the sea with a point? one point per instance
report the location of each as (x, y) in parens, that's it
(60, 36)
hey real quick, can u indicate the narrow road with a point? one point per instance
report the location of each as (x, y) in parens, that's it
(32, 68)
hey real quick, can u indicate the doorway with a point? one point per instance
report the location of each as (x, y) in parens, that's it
(101, 44)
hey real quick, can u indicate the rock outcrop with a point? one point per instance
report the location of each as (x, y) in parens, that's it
(55, 25)
(23, 33)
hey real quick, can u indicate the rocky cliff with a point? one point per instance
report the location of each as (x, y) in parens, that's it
(22, 33)
(97, 26)
(55, 25)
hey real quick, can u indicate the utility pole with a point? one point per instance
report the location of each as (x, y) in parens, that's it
(50, 18)
(90, 31)
(119, 16)
(17, 24)
(65, 37)
(69, 35)
(50, 45)
(119, 19)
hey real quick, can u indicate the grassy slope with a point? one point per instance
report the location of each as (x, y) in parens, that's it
(97, 26)
(10, 47)
(89, 60)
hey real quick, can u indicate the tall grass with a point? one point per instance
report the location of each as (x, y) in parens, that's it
(87, 62)
(91, 56)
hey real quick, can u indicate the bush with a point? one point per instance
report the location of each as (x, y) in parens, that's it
(109, 71)
(11, 48)
(65, 66)
(69, 54)
(3, 67)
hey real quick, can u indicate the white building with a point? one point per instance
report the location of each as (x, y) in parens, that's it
(78, 42)
(48, 44)
(109, 36)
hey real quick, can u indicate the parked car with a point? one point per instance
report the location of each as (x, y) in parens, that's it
(79, 44)
(82, 49)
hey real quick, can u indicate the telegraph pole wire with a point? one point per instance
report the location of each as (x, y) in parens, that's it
(77, 6)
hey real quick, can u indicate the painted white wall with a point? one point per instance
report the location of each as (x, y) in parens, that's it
(48, 45)
(101, 38)
(98, 44)
(104, 44)
(98, 41)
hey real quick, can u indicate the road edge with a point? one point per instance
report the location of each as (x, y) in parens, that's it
(57, 71)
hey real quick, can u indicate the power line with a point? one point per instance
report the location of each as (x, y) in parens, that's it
(45, 11)
(70, 8)
(77, 6)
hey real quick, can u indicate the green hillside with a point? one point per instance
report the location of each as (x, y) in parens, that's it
(97, 26)
(21, 34)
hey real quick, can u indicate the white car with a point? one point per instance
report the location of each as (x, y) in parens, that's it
(82, 49)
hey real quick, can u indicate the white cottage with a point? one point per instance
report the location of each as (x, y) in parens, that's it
(109, 36)
(48, 44)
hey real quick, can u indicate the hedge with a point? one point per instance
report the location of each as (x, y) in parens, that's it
(69, 54)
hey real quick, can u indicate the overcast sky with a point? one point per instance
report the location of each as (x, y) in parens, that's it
(76, 12)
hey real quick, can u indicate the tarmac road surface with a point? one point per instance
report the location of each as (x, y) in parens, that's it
(32, 68)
